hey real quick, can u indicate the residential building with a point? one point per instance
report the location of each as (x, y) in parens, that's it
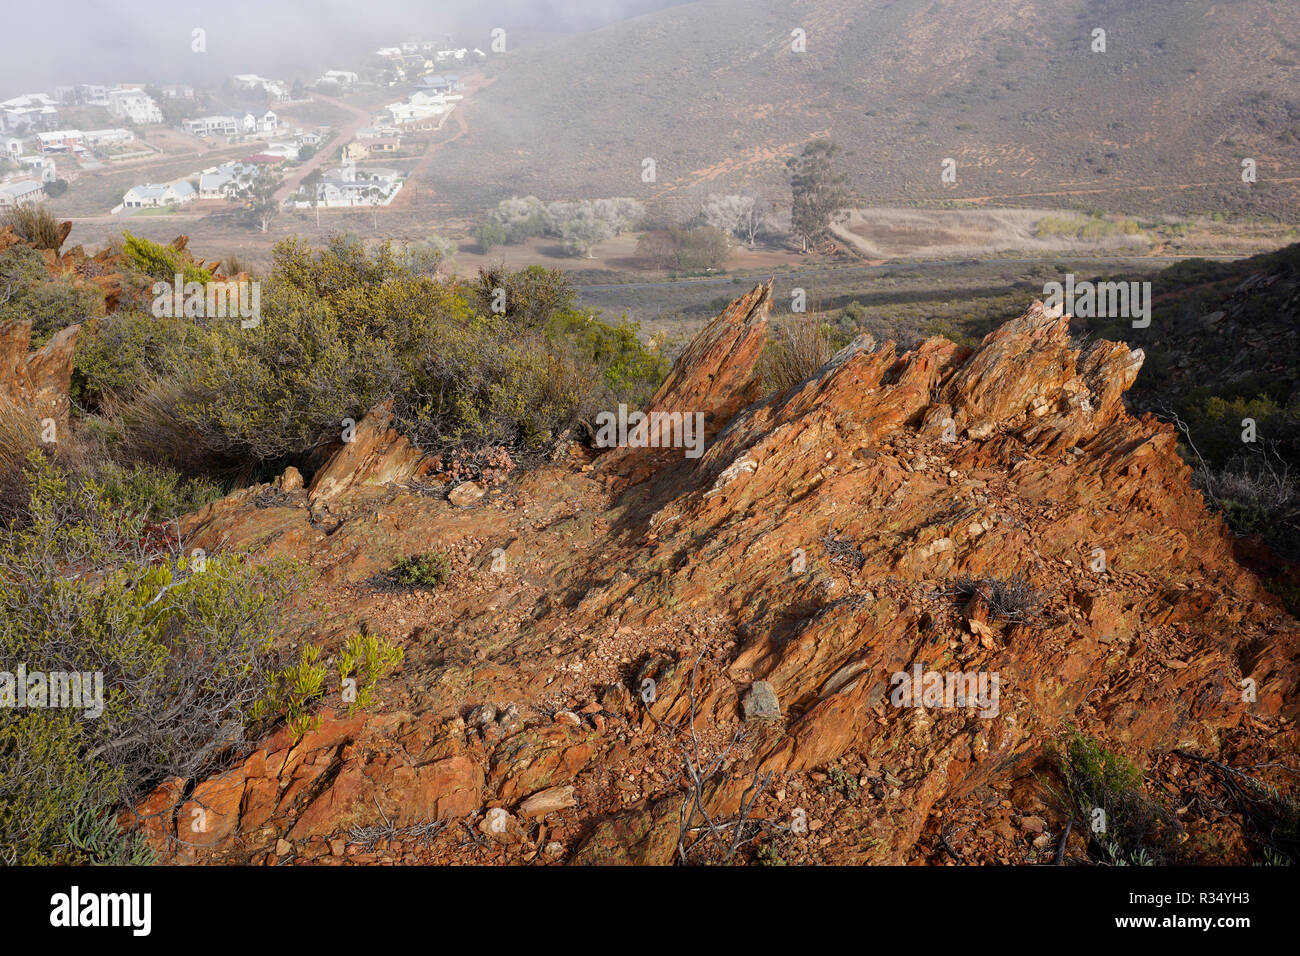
(134, 105)
(41, 166)
(107, 137)
(282, 150)
(20, 192)
(212, 126)
(152, 195)
(376, 132)
(31, 111)
(341, 77)
(61, 141)
(275, 89)
(420, 105)
(440, 83)
(93, 94)
(267, 123)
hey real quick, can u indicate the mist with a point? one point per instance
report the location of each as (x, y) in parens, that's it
(149, 41)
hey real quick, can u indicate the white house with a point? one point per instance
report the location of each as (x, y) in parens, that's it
(41, 166)
(283, 150)
(23, 191)
(134, 105)
(266, 124)
(212, 126)
(11, 147)
(107, 137)
(218, 182)
(93, 95)
(30, 111)
(153, 195)
(341, 77)
(275, 89)
(419, 105)
(350, 186)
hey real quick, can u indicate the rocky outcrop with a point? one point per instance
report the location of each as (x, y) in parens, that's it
(713, 377)
(608, 629)
(373, 455)
(37, 383)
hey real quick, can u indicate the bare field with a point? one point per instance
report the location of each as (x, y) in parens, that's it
(885, 233)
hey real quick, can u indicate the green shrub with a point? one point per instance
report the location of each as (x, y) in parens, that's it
(489, 235)
(27, 291)
(162, 262)
(293, 690)
(119, 354)
(630, 370)
(153, 493)
(183, 645)
(1102, 792)
(344, 329)
(367, 659)
(427, 570)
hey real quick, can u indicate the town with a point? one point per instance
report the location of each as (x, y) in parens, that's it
(49, 141)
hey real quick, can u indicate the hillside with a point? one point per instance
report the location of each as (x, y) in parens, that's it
(648, 658)
(711, 90)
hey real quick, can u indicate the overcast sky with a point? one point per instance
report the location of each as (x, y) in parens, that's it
(107, 41)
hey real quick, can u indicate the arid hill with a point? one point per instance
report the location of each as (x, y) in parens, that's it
(712, 91)
(643, 657)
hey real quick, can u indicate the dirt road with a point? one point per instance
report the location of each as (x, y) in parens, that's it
(323, 155)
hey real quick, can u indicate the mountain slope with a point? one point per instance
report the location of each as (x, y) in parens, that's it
(712, 91)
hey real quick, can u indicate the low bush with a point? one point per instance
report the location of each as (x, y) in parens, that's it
(1010, 599)
(1101, 791)
(794, 352)
(366, 659)
(35, 223)
(344, 329)
(180, 646)
(427, 570)
(28, 292)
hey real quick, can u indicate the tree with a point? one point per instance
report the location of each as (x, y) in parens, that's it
(819, 192)
(309, 185)
(489, 235)
(686, 250)
(704, 248)
(741, 216)
(581, 235)
(658, 247)
(258, 194)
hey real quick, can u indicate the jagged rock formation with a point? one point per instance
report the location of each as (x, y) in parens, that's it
(601, 611)
(37, 383)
